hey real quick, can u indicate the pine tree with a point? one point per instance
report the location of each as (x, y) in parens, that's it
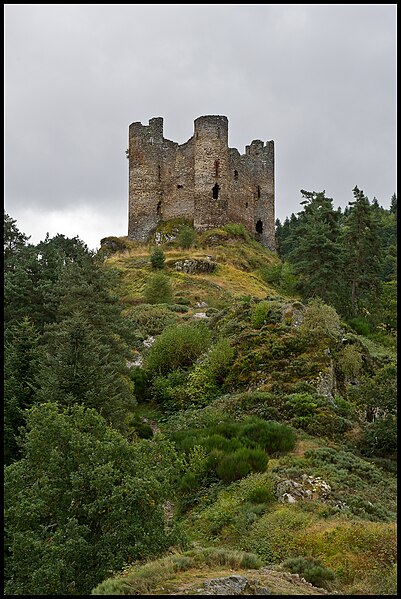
(21, 358)
(316, 252)
(362, 253)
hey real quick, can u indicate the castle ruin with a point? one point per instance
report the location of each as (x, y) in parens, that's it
(202, 180)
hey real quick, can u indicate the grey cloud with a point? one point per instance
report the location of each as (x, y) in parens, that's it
(319, 80)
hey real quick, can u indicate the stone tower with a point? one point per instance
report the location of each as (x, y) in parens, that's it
(202, 180)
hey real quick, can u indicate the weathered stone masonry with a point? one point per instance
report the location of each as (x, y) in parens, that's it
(202, 180)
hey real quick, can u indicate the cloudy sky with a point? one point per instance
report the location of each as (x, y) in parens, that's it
(320, 80)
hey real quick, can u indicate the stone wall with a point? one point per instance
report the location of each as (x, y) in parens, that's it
(202, 180)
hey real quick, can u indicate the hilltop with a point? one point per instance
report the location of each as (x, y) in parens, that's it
(266, 413)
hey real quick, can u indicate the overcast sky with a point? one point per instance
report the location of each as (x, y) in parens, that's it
(320, 80)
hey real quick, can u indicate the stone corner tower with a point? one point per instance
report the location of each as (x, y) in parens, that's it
(202, 180)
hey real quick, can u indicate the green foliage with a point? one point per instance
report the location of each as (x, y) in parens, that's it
(204, 381)
(236, 465)
(320, 321)
(78, 368)
(237, 230)
(236, 507)
(158, 289)
(274, 537)
(259, 314)
(379, 438)
(21, 360)
(142, 579)
(362, 257)
(315, 249)
(157, 258)
(312, 569)
(349, 361)
(148, 319)
(186, 237)
(177, 347)
(82, 502)
(14, 241)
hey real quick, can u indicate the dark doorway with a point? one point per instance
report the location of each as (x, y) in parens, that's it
(259, 227)
(215, 191)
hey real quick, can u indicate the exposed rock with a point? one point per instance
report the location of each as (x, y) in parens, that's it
(149, 341)
(200, 315)
(290, 491)
(195, 266)
(232, 585)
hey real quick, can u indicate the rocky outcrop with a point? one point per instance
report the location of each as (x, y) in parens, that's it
(195, 266)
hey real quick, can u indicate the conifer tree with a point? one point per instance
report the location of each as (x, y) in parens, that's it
(315, 250)
(362, 253)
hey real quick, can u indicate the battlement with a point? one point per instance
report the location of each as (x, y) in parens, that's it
(202, 180)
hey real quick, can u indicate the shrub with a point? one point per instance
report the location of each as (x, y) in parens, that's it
(186, 237)
(238, 464)
(320, 321)
(157, 258)
(311, 569)
(237, 230)
(271, 436)
(177, 347)
(158, 289)
(259, 314)
(149, 319)
(360, 325)
(379, 438)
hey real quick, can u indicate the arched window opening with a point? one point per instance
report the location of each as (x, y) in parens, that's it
(159, 207)
(259, 227)
(215, 191)
(216, 168)
(235, 175)
(258, 192)
(246, 204)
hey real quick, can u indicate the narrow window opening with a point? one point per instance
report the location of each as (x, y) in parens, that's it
(180, 186)
(258, 192)
(216, 168)
(235, 175)
(246, 204)
(159, 207)
(259, 227)
(215, 191)
(218, 132)
(159, 173)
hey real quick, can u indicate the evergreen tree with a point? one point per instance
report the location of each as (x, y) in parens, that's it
(82, 502)
(78, 367)
(362, 255)
(21, 358)
(14, 241)
(157, 258)
(316, 252)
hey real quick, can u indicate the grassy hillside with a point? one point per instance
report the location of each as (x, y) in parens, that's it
(261, 395)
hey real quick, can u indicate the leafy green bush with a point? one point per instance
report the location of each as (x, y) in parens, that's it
(320, 321)
(96, 491)
(237, 230)
(157, 258)
(271, 436)
(186, 237)
(240, 463)
(379, 438)
(177, 347)
(311, 569)
(259, 314)
(158, 289)
(149, 319)
(360, 325)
